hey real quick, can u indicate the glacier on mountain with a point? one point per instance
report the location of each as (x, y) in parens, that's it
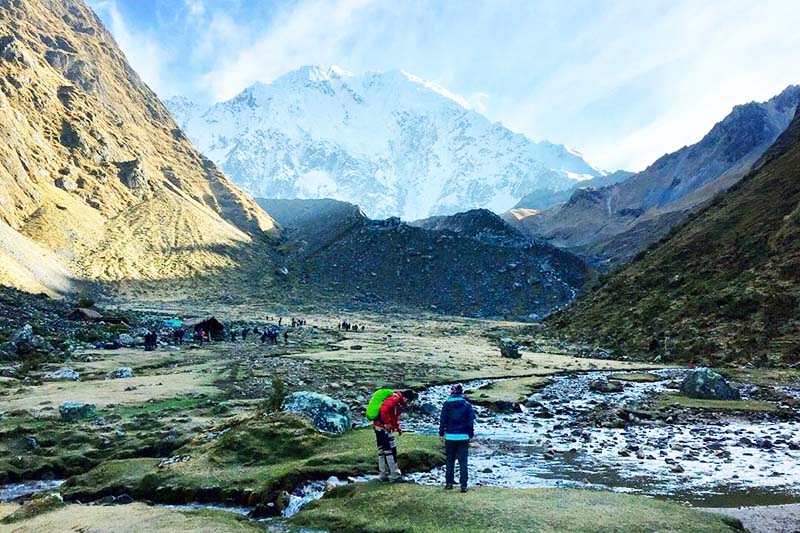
(388, 141)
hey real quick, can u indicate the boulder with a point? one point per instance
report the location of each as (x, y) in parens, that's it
(706, 384)
(120, 373)
(126, 340)
(327, 414)
(71, 411)
(26, 341)
(509, 348)
(605, 386)
(65, 374)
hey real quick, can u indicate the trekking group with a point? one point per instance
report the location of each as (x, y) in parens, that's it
(456, 430)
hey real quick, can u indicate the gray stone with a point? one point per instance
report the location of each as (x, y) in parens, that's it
(26, 341)
(605, 386)
(706, 384)
(71, 411)
(327, 414)
(509, 348)
(126, 340)
(120, 373)
(65, 374)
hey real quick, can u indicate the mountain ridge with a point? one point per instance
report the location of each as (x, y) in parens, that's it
(613, 223)
(388, 141)
(722, 287)
(85, 145)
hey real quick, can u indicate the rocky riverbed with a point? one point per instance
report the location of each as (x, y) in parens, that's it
(564, 438)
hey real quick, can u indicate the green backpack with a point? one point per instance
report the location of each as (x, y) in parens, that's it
(374, 406)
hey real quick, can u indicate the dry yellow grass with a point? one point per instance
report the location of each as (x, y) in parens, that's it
(44, 399)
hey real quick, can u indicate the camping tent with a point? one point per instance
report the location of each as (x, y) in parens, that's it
(209, 324)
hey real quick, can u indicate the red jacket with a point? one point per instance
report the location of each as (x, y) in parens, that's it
(390, 412)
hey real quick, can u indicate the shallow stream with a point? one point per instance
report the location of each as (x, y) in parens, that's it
(726, 462)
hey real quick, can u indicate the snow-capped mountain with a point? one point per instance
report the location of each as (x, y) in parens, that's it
(388, 141)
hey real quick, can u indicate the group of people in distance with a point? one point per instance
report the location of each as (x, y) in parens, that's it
(347, 326)
(456, 430)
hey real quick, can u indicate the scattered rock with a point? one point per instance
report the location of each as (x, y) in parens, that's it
(509, 348)
(120, 373)
(26, 341)
(71, 411)
(706, 384)
(65, 374)
(605, 386)
(677, 469)
(356, 347)
(264, 510)
(173, 460)
(327, 414)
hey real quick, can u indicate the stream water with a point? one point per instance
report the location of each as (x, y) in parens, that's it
(727, 462)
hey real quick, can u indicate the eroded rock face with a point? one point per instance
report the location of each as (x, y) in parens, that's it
(509, 348)
(132, 175)
(708, 385)
(326, 413)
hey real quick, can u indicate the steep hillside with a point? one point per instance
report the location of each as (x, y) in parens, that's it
(388, 141)
(339, 252)
(722, 287)
(612, 224)
(93, 168)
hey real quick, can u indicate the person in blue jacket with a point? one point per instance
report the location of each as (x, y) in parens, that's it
(456, 428)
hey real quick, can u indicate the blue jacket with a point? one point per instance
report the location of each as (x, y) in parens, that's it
(457, 421)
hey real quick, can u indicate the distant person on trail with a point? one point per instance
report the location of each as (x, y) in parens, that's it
(285, 337)
(456, 428)
(280, 319)
(201, 335)
(387, 423)
(245, 331)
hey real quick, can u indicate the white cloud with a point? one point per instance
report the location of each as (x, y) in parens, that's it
(195, 7)
(309, 32)
(142, 50)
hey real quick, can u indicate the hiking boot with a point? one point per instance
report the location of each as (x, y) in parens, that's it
(383, 478)
(398, 479)
(448, 487)
(463, 489)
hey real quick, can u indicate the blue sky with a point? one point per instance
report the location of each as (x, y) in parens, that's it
(622, 81)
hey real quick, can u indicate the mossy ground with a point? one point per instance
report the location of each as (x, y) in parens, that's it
(250, 463)
(514, 390)
(678, 400)
(377, 507)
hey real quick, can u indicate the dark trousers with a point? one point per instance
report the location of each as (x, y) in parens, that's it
(456, 450)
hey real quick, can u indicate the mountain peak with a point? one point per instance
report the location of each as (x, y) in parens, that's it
(390, 141)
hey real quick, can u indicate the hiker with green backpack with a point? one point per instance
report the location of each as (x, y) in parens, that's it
(384, 410)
